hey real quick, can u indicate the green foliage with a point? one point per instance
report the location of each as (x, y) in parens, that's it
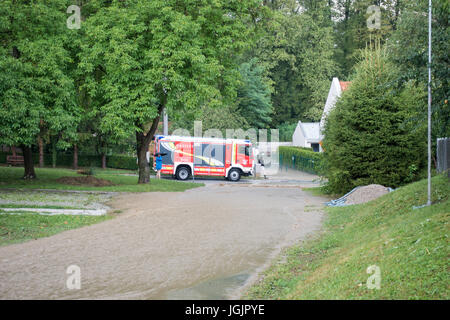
(372, 135)
(286, 130)
(254, 103)
(35, 86)
(303, 159)
(123, 162)
(85, 160)
(409, 47)
(141, 57)
(317, 66)
(144, 54)
(213, 117)
(352, 33)
(297, 53)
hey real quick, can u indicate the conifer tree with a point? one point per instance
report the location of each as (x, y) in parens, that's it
(372, 135)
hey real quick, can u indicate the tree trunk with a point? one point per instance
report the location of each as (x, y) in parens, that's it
(142, 145)
(103, 161)
(53, 154)
(28, 163)
(13, 150)
(41, 152)
(144, 169)
(75, 156)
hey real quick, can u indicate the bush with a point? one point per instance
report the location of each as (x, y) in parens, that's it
(85, 160)
(303, 159)
(123, 162)
(375, 134)
(3, 157)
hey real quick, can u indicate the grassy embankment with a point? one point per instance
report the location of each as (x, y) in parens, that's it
(24, 226)
(409, 246)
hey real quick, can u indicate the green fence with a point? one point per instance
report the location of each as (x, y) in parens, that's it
(84, 160)
(301, 159)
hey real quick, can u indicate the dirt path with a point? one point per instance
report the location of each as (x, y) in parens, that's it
(203, 243)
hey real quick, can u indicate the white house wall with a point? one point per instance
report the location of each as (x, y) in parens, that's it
(298, 139)
(334, 94)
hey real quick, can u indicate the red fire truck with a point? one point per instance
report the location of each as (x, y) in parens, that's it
(184, 156)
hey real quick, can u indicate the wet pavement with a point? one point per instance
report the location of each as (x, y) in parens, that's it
(205, 243)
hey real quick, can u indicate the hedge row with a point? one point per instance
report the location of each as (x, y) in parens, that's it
(84, 160)
(303, 159)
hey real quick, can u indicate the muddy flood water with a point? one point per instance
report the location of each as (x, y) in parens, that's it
(205, 243)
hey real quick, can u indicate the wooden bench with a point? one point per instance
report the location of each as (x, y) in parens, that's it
(14, 160)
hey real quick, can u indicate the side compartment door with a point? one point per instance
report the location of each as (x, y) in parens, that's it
(243, 155)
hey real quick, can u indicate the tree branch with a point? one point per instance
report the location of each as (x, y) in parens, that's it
(149, 136)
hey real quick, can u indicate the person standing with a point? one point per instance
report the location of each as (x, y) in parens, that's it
(261, 163)
(158, 166)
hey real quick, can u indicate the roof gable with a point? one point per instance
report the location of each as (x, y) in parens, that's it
(336, 89)
(311, 130)
(344, 85)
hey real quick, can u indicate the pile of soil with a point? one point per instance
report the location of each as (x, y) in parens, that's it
(366, 194)
(85, 181)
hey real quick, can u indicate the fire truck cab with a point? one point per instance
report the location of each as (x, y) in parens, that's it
(183, 157)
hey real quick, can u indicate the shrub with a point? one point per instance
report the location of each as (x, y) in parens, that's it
(375, 134)
(3, 157)
(303, 159)
(123, 162)
(85, 160)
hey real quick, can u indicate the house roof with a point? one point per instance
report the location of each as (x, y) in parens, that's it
(336, 89)
(344, 85)
(311, 130)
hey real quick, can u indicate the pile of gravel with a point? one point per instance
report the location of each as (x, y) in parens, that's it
(366, 194)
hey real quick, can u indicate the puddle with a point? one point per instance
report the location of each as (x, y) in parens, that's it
(216, 289)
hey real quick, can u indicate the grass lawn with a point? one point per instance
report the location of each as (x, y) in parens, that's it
(16, 206)
(11, 177)
(15, 228)
(410, 247)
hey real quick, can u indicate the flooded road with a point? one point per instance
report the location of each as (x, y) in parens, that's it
(205, 243)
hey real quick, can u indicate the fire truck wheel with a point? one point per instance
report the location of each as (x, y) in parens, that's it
(183, 173)
(234, 175)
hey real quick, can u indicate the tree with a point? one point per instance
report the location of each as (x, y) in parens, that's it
(35, 89)
(317, 62)
(372, 135)
(409, 49)
(297, 52)
(153, 55)
(352, 33)
(217, 118)
(254, 103)
(286, 130)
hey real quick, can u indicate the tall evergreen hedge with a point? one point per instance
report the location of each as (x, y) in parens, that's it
(375, 133)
